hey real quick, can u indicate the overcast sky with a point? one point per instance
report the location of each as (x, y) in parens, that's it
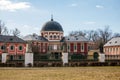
(30, 15)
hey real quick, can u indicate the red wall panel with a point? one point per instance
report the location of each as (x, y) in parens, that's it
(78, 47)
(71, 47)
(85, 48)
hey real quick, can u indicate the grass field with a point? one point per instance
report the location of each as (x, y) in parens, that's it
(61, 73)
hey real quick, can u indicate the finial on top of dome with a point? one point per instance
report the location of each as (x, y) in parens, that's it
(51, 17)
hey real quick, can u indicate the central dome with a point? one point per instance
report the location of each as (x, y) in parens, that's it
(52, 26)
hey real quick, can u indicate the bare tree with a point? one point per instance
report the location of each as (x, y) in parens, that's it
(16, 32)
(78, 33)
(116, 35)
(3, 29)
(105, 34)
(1, 26)
(92, 35)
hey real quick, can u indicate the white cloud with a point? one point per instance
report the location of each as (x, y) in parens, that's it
(11, 6)
(99, 6)
(73, 5)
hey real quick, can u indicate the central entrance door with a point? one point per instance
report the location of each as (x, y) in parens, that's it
(56, 55)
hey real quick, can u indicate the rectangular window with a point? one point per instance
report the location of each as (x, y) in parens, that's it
(74, 46)
(82, 47)
(20, 57)
(11, 57)
(68, 47)
(88, 47)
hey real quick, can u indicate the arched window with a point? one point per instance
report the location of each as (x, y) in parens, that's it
(46, 36)
(2, 47)
(54, 36)
(95, 55)
(12, 47)
(50, 36)
(20, 47)
(58, 37)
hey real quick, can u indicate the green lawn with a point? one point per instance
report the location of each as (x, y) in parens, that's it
(61, 73)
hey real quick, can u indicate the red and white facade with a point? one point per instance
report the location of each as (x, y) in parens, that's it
(112, 48)
(18, 48)
(77, 47)
(77, 44)
(13, 47)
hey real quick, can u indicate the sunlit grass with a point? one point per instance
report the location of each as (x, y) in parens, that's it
(61, 73)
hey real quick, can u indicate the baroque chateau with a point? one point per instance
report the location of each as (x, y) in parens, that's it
(50, 44)
(52, 41)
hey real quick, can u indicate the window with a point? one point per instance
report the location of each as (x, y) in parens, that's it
(20, 57)
(75, 46)
(82, 47)
(20, 47)
(2, 47)
(50, 47)
(88, 47)
(116, 49)
(58, 37)
(68, 47)
(110, 42)
(11, 57)
(51, 36)
(46, 36)
(54, 36)
(11, 39)
(12, 47)
(110, 49)
(76, 38)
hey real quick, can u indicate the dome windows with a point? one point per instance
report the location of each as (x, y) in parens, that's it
(52, 31)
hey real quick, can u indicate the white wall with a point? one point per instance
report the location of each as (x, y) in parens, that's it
(64, 58)
(28, 59)
(101, 57)
(4, 57)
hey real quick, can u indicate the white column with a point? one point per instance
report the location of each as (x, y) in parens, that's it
(4, 57)
(64, 58)
(101, 57)
(28, 59)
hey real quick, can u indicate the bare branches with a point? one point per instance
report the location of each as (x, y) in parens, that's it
(77, 33)
(105, 34)
(3, 29)
(99, 36)
(16, 32)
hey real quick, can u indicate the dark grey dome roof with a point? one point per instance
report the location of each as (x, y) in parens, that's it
(52, 26)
